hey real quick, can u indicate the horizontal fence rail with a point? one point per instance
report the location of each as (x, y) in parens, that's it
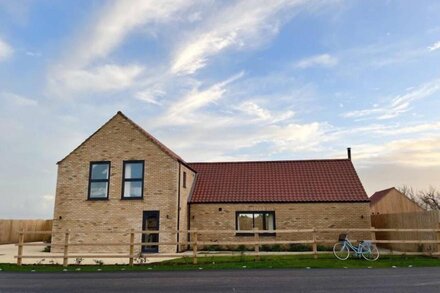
(252, 238)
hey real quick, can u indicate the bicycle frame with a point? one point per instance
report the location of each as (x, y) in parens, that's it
(356, 249)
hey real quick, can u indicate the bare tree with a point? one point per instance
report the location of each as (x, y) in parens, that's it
(428, 199)
(431, 198)
(408, 191)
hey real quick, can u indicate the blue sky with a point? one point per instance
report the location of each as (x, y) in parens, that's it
(221, 81)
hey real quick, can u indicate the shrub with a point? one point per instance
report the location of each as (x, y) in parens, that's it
(324, 248)
(214, 248)
(298, 247)
(46, 249)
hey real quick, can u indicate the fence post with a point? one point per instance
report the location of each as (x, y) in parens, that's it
(66, 249)
(20, 247)
(194, 243)
(257, 244)
(438, 239)
(130, 260)
(315, 244)
(373, 234)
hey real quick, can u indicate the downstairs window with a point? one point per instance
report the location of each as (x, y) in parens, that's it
(247, 221)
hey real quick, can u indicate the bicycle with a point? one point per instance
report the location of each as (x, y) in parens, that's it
(366, 249)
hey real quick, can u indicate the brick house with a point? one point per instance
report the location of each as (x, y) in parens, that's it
(122, 178)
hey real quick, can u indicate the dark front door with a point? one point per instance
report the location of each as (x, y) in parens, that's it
(150, 222)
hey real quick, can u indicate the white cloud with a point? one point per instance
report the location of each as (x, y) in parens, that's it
(323, 60)
(120, 18)
(434, 46)
(103, 78)
(244, 23)
(150, 96)
(421, 152)
(18, 100)
(253, 109)
(399, 104)
(183, 111)
(82, 69)
(6, 50)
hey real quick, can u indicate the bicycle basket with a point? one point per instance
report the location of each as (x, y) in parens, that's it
(342, 237)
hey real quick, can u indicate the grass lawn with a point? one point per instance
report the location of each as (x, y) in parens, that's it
(240, 262)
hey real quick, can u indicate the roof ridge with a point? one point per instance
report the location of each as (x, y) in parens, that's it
(269, 161)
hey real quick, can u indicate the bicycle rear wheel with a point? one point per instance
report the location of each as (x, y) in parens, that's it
(340, 250)
(370, 252)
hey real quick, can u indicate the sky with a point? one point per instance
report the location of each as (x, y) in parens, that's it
(221, 81)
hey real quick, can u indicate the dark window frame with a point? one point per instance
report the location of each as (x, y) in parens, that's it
(184, 180)
(124, 163)
(99, 180)
(237, 213)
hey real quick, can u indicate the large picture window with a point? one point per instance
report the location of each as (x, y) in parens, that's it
(99, 180)
(133, 180)
(246, 221)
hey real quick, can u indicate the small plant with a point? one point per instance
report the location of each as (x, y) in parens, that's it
(98, 262)
(140, 260)
(242, 258)
(40, 261)
(52, 262)
(46, 249)
(78, 260)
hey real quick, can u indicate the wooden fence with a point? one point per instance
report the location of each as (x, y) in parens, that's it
(194, 243)
(9, 230)
(416, 220)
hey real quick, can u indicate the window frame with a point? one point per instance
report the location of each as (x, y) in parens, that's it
(238, 233)
(124, 163)
(99, 180)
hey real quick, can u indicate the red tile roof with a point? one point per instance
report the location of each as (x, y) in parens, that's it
(277, 181)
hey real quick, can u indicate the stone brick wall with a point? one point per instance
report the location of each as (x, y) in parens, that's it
(287, 216)
(116, 141)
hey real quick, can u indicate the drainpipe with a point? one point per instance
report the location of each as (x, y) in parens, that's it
(178, 210)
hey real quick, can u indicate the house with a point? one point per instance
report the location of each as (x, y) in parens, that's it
(122, 178)
(392, 201)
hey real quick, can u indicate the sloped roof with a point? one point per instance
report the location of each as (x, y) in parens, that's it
(277, 181)
(378, 195)
(163, 147)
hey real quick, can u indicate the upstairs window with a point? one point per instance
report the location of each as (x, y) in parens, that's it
(247, 221)
(184, 180)
(133, 180)
(99, 180)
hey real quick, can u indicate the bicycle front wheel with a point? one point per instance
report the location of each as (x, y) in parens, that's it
(340, 250)
(370, 252)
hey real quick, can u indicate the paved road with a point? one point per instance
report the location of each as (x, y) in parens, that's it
(314, 280)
